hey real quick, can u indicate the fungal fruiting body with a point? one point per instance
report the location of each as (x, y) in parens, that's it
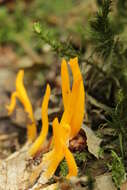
(44, 130)
(21, 94)
(74, 99)
(63, 131)
(70, 124)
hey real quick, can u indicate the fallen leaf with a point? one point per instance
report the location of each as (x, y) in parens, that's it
(93, 142)
(104, 182)
(17, 172)
(48, 187)
(51, 187)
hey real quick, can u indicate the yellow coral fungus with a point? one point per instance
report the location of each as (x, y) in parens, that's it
(21, 94)
(63, 131)
(44, 130)
(70, 124)
(73, 99)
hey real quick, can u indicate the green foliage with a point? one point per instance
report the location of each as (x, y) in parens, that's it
(16, 25)
(63, 49)
(108, 38)
(37, 27)
(101, 153)
(117, 169)
(6, 34)
(102, 33)
(47, 7)
(104, 30)
(121, 7)
(90, 182)
(118, 121)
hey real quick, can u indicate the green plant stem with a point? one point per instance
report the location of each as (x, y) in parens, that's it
(121, 145)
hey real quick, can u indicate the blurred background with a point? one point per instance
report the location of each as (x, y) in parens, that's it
(36, 34)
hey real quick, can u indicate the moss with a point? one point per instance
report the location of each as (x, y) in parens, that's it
(63, 168)
(80, 157)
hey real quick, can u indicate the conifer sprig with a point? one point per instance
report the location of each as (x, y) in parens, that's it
(63, 49)
(102, 34)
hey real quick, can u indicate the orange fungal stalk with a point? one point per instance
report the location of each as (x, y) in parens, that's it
(44, 130)
(59, 151)
(21, 94)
